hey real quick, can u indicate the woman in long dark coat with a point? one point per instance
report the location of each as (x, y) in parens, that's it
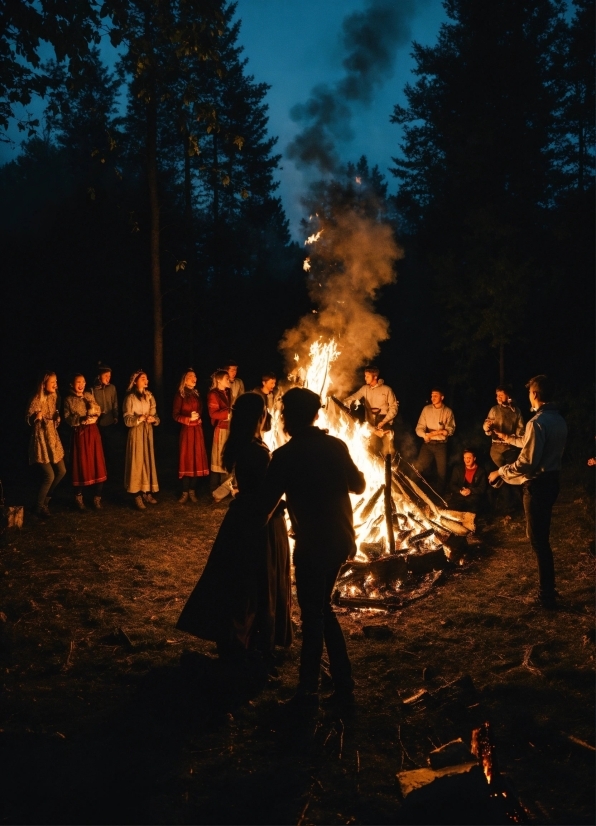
(242, 600)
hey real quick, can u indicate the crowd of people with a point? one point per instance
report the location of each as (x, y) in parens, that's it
(242, 600)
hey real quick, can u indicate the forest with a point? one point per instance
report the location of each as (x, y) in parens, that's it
(152, 235)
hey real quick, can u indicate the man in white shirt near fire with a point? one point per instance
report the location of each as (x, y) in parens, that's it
(380, 409)
(435, 425)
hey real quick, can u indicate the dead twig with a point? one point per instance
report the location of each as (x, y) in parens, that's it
(68, 663)
(526, 661)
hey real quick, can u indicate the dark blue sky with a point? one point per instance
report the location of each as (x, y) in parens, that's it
(293, 45)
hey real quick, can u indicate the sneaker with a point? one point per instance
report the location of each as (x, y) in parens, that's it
(43, 512)
(147, 497)
(139, 503)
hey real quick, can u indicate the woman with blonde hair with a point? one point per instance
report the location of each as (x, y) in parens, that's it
(45, 447)
(140, 416)
(88, 465)
(219, 406)
(192, 456)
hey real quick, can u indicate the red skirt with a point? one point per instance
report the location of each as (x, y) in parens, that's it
(87, 459)
(192, 454)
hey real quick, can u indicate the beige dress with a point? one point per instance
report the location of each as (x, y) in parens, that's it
(140, 473)
(45, 445)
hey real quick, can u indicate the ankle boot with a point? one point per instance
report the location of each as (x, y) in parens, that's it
(183, 498)
(79, 502)
(43, 512)
(139, 504)
(192, 496)
(97, 503)
(147, 497)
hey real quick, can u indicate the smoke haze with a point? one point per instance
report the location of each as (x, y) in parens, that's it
(368, 41)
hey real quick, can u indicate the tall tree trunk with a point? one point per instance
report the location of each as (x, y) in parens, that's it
(501, 364)
(215, 211)
(155, 240)
(190, 265)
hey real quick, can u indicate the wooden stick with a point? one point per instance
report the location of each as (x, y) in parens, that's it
(388, 505)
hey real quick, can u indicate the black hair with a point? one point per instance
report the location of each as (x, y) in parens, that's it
(300, 407)
(246, 414)
(267, 376)
(372, 369)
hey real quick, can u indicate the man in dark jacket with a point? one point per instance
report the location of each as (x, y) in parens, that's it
(468, 484)
(317, 474)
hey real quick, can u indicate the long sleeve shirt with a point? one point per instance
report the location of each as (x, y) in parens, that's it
(436, 418)
(107, 398)
(504, 418)
(236, 389)
(77, 408)
(218, 405)
(542, 447)
(317, 474)
(380, 403)
(139, 404)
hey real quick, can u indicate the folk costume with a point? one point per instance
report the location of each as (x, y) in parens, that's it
(140, 473)
(242, 599)
(219, 406)
(192, 456)
(45, 447)
(87, 460)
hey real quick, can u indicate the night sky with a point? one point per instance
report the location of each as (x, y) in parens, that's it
(293, 45)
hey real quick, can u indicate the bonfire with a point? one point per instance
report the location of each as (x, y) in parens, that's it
(404, 534)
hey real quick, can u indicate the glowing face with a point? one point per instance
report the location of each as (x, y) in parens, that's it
(469, 460)
(501, 397)
(51, 384)
(78, 385)
(224, 383)
(105, 378)
(190, 380)
(370, 378)
(269, 385)
(232, 372)
(141, 382)
(436, 398)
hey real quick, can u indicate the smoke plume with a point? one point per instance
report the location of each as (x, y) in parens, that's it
(369, 40)
(353, 259)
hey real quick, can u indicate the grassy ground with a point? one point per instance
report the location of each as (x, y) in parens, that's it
(100, 726)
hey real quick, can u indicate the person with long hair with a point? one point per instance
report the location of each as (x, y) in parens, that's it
(192, 456)
(219, 405)
(88, 466)
(45, 447)
(242, 600)
(140, 416)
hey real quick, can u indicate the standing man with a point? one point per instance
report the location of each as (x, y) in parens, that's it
(266, 390)
(107, 398)
(380, 409)
(504, 417)
(236, 384)
(317, 474)
(537, 469)
(435, 425)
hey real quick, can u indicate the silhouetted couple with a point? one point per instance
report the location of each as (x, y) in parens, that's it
(242, 600)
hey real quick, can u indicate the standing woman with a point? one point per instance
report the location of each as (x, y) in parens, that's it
(88, 465)
(192, 458)
(219, 406)
(140, 416)
(242, 600)
(45, 447)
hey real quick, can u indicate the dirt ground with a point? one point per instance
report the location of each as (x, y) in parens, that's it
(109, 715)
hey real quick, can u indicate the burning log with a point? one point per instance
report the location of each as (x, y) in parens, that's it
(370, 505)
(389, 505)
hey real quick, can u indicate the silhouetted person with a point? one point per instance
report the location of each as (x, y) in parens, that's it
(267, 391)
(538, 468)
(317, 474)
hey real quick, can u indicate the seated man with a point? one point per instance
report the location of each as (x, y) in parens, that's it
(468, 485)
(380, 409)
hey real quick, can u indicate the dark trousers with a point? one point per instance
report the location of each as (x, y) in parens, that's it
(52, 476)
(320, 626)
(434, 452)
(510, 495)
(540, 495)
(470, 503)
